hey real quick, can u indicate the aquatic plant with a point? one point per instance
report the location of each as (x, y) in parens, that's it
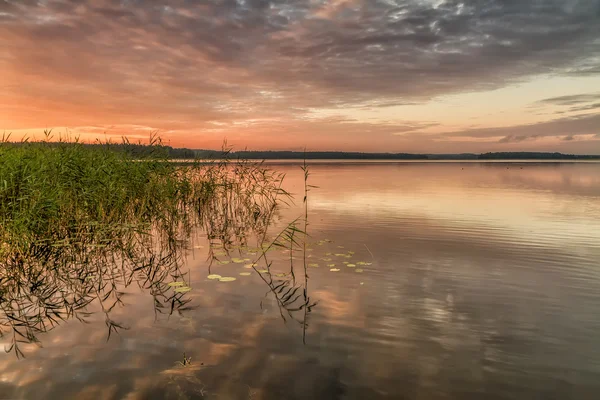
(78, 224)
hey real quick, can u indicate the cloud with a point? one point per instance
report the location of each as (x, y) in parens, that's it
(312, 53)
(185, 64)
(517, 138)
(572, 99)
(580, 125)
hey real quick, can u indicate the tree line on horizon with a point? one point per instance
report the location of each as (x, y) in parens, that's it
(139, 150)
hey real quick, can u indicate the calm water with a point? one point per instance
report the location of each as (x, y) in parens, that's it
(484, 282)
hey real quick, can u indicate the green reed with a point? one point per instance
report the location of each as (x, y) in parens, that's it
(79, 223)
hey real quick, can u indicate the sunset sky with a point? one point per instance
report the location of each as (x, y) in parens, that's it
(429, 76)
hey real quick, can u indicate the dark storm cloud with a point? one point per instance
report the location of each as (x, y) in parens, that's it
(305, 54)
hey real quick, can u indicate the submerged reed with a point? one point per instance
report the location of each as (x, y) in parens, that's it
(80, 223)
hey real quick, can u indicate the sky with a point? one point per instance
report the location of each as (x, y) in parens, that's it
(423, 76)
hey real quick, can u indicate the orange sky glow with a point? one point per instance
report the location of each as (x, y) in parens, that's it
(426, 76)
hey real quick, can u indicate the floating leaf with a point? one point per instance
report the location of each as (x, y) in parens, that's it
(314, 265)
(250, 265)
(367, 263)
(263, 271)
(328, 254)
(326, 259)
(345, 262)
(340, 247)
(237, 260)
(245, 273)
(281, 275)
(358, 270)
(214, 276)
(362, 283)
(334, 269)
(223, 262)
(227, 279)
(361, 263)
(183, 289)
(331, 265)
(351, 265)
(350, 252)
(176, 284)
(340, 255)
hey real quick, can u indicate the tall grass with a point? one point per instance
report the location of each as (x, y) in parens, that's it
(78, 223)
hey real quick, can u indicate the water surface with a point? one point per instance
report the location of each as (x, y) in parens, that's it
(479, 280)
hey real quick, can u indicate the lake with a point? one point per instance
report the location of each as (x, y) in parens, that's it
(455, 280)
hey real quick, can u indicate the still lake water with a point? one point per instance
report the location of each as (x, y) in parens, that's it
(480, 281)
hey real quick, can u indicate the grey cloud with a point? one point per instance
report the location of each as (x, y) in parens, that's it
(218, 56)
(587, 107)
(518, 138)
(580, 125)
(568, 138)
(572, 99)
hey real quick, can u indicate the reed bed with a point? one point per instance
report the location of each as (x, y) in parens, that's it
(79, 223)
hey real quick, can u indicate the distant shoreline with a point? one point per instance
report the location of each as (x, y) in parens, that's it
(388, 162)
(141, 151)
(356, 156)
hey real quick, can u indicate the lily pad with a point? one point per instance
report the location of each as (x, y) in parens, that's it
(176, 284)
(361, 263)
(331, 265)
(250, 265)
(328, 254)
(340, 255)
(224, 262)
(227, 279)
(263, 271)
(359, 270)
(183, 289)
(214, 276)
(245, 273)
(351, 265)
(314, 265)
(334, 269)
(326, 259)
(345, 262)
(237, 260)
